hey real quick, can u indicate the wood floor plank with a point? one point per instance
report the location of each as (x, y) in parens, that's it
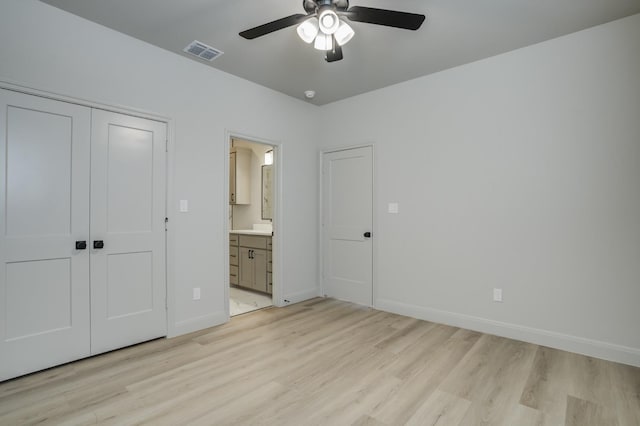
(440, 409)
(402, 404)
(327, 362)
(368, 421)
(586, 413)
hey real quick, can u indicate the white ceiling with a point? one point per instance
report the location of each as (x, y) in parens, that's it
(455, 32)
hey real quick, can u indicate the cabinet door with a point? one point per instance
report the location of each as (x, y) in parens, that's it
(128, 287)
(246, 272)
(44, 187)
(260, 270)
(232, 178)
(240, 174)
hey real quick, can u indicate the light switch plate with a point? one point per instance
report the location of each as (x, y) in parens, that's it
(184, 206)
(196, 293)
(394, 208)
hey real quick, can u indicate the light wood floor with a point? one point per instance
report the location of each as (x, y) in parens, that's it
(334, 363)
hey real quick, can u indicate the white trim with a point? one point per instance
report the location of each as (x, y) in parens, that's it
(199, 323)
(301, 296)
(17, 87)
(278, 226)
(374, 229)
(171, 231)
(580, 345)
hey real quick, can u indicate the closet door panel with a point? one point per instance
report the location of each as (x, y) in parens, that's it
(128, 287)
(44, 188)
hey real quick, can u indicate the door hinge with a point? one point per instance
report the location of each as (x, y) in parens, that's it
(166, 220)
(166, 145)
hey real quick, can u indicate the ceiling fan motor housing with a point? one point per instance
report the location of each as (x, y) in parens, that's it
(314, 6)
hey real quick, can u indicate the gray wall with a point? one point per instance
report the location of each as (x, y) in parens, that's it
(48, 49)
(522, 172)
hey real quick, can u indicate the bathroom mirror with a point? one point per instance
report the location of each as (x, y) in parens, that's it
(267, 192)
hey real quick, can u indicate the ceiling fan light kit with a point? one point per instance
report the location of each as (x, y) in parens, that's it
(323, 42)
(328, 20)
(344, 33)
(323, 25)
(308, 30)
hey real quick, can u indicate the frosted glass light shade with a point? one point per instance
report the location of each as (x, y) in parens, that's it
(308, 30)
(328, 21)
(344, 33)
(323, 42)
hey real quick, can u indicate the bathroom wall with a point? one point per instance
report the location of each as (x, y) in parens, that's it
(245, 215)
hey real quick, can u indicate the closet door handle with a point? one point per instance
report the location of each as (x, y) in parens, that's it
(81, 245)
(98, 244)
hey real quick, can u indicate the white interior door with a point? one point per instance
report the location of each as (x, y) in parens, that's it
(44, 188)
(347, 218)
(128, 289)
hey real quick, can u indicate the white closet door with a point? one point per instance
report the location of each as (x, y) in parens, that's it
(44, 188)
(128, 290)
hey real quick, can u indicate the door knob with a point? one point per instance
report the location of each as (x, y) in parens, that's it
(98, 244)
(81, 245)
(367, 234)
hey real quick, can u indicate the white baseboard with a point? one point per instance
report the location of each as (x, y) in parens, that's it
(594, 348)
(300, 296)
(199, 323)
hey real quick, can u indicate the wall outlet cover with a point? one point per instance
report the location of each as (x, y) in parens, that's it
(394, 208)
(497, 295)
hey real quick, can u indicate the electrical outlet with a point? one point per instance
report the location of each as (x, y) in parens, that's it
(196, 293)
(497, 295)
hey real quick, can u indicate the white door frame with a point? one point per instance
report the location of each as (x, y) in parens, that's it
(277, 295)
(169, 213)
(374, 227)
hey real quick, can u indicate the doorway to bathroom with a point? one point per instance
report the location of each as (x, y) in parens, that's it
(252, 197)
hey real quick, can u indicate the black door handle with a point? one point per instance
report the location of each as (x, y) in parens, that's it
(367, 234)
(81, 245)
(98, 244)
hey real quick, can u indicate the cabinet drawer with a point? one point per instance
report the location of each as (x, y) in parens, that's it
(233, 274)
(233, 239)
(269, 262)
(269, 244)
(253, 241)
(233, 256)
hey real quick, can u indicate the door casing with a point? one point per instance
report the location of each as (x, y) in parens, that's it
(277, 295)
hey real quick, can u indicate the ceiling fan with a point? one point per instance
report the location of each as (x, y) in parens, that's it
(323, 25)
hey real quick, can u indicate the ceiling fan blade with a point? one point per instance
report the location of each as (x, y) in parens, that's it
(335, 54)
(270, 27)
(390, 18)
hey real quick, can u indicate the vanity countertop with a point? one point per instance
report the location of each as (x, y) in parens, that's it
(251, 232)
